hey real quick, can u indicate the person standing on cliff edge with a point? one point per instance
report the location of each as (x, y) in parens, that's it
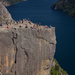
(50, 26)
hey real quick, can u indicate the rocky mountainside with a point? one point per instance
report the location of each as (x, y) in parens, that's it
(4, 14)
(65, 5)
(26, 51)
(9, 2)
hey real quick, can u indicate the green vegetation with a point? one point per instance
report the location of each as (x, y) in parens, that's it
(57, 70)
(63, 72)
(66, 5)
(55, 61)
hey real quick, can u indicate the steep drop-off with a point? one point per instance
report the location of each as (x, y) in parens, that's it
(25, 51)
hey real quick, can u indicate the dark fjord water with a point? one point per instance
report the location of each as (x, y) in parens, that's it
(40, 11)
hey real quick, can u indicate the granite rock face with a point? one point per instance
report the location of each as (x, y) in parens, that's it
(4, 14)
(5, 2)
(27, 51)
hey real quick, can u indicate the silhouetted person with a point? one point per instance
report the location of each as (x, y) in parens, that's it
(26, 26)
(50, 26)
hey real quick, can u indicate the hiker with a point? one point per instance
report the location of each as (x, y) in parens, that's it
(25, 19)
(50, 26)
(13, 21)
(22, 21)
(29, 22)
(10, 23)
(26, 26)
(7, 27)
(39, 23)
(46, 26)
(7, 23)
(20, 26)
(33, 26)
(37, 29)
(40, 29)
(17, 22)
(15, 28)
(1, 24)
(28, 19)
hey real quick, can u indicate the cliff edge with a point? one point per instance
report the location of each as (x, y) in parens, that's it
(26, 51)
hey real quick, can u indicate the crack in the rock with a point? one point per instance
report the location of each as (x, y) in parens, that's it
(15, 45)
(15, 36)
(16, 55)
(15, 61)
(16, 49)
(46, 68)
(13, 41)
(15, 73)
(26, 54)
(45, 40)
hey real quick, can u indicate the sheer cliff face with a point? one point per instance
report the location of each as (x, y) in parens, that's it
(26, 51)
(4, 14)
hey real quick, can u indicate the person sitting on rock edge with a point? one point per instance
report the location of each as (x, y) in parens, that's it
(1, 25)
(50, 26)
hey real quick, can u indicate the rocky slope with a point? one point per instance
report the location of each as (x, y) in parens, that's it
(56, 69)
(4, 14)
(9, 2)
(65, 5)
(25, 51)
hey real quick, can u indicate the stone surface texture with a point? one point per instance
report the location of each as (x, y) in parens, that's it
(4, 14)
(10, 2)
(5, 2)
(25, 51)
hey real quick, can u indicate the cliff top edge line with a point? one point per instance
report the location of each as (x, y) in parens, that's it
(23, 24)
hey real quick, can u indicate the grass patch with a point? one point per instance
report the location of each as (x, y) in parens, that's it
(57, 70)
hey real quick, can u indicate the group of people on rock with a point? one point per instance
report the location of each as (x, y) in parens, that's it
(35, 26)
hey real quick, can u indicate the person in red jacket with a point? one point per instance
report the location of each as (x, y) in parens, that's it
(7, 27)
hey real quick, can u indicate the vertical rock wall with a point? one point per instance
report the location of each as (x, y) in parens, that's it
(27, 51)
